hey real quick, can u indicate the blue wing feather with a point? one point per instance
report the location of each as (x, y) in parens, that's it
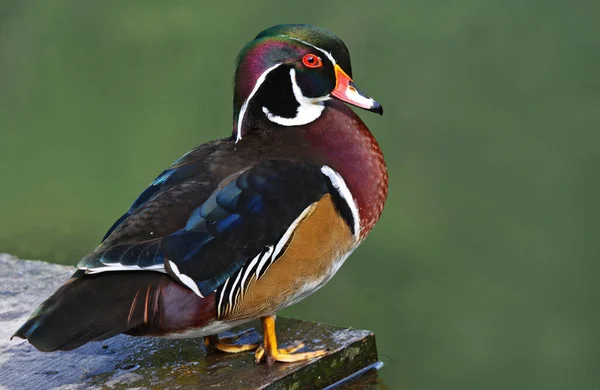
(167, 178)
(230, 227)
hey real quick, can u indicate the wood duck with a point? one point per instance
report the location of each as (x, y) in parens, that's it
(242, 227)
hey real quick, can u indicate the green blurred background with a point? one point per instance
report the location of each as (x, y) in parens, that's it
(481, 272)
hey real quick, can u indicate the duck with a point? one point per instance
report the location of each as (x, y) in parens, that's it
(242, 227)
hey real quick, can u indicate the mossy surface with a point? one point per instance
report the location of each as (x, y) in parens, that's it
(136, 362)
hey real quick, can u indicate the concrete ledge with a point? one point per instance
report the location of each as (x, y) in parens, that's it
(134, 362)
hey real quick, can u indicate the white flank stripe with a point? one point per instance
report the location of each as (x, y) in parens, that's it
(221, 298)
(119, 267)
(263, 260)
(327, 54)
(233, 286)
(248, 271)
(340, 185)
(286, 236)
(261, 79)
(189, 282)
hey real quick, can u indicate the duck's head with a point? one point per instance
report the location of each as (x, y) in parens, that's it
(287, 74)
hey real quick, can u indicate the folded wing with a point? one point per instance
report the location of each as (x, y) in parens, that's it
(247, 214)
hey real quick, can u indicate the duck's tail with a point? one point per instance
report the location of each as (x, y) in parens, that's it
(96, 307)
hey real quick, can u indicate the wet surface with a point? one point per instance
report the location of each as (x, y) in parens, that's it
(133, 362)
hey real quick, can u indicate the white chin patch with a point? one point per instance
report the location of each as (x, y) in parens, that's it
(309, 108)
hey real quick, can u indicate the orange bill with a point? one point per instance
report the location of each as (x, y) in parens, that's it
(346, 91)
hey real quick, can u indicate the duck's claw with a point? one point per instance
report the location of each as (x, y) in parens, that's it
(269, 351)
(228, 343)
(287, 354)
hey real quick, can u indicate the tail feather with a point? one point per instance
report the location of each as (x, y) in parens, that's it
(100, 306)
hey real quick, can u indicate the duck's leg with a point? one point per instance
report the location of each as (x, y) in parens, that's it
(273, 354)
(228, 344)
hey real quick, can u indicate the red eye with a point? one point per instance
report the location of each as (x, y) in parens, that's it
(312, 61)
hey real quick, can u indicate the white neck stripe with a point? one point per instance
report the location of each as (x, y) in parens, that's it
(327, 54)
(309, 109)
(259, 82)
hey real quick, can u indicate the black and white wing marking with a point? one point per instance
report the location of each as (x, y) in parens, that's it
(245, 220)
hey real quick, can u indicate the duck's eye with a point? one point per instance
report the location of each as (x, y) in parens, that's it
(312, 61)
